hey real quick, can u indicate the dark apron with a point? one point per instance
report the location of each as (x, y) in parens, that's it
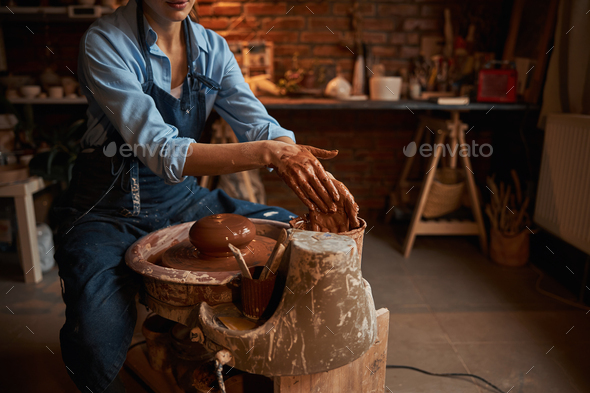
(127, 185)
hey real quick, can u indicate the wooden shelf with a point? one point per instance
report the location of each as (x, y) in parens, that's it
(411, 105)
(46, 13)
(49, 101)
(325, 103)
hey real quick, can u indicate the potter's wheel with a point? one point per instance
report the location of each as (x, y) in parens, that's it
(185, 256)
(207, 249)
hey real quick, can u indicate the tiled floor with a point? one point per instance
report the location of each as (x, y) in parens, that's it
(452, 310)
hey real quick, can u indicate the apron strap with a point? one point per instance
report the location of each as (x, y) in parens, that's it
(134, 182)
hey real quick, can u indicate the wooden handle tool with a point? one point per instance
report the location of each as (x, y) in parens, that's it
(275, 258)
(274, 265)
(241, 261)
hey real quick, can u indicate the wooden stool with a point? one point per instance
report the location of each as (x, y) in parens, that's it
(454, 131)
(22, 192)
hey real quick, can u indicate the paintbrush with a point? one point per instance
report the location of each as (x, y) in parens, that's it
(240, 260)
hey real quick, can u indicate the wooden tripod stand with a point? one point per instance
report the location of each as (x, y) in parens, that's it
(455, 133)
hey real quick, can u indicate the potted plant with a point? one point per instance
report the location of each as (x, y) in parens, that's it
(57, 162)
(509, 236)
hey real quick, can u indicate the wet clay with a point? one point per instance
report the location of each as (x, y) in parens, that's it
(304, 174)
(211, 234)
(344, 219)
(207, 248)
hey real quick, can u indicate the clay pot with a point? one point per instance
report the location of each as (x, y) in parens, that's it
(509, 250)
(256, 293)
(69, 84)
(211, 234)
(308, 81)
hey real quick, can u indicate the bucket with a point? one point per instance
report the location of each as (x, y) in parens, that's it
(509, 250)
(357, 234)
(156, 332)
(256, 293)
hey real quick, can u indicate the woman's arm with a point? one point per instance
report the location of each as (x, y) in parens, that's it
(297, 165)
(205, 159)
(211, 160)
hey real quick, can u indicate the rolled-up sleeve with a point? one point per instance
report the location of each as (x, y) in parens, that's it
(240, 108)
(116, 88)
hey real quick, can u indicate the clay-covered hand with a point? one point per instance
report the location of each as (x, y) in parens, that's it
(344, 219)
(299, 167)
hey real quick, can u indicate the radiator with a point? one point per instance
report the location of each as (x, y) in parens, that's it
(563, 195)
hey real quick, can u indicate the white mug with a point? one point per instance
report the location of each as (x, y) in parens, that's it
(56, 92)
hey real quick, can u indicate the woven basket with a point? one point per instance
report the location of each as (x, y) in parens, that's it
(445, 192)
(509, 250)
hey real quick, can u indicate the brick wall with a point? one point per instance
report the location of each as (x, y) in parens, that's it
(321, 30)
(370, 144)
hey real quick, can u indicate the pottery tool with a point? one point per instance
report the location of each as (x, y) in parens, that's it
(240, 260)
(275, 257)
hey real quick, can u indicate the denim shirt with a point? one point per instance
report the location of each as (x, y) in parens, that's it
(111, 70)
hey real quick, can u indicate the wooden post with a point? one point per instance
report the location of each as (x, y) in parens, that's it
(475, 208)
(364, 375)
(417, 215)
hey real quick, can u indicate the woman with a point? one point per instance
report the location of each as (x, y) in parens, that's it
(136, 172)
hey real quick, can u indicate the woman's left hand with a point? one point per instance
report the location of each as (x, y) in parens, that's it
(299, 167)
(343, 220)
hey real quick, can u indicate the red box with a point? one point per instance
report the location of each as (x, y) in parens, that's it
(497, 85)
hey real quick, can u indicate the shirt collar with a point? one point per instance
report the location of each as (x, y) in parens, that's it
(198, 41)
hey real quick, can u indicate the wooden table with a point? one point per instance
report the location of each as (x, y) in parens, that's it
(411, 105)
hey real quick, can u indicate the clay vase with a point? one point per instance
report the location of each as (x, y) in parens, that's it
(69, 84)
(212, 234)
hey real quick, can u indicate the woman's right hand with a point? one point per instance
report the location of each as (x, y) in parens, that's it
(299, 167)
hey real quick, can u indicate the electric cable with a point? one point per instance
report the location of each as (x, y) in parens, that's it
(447, 375)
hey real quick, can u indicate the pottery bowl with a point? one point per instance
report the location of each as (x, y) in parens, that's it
(30, 91)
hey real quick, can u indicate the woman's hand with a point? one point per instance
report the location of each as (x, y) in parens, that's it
(299, 167)
(343, 220)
